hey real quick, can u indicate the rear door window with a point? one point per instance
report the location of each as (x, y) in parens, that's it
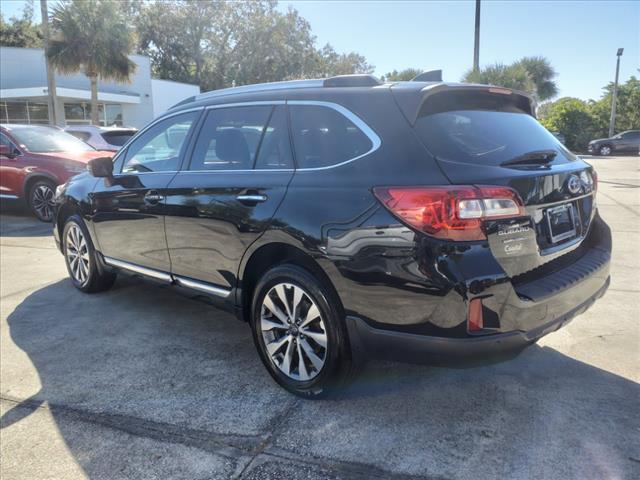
(323, 137)
(230, 137)
(275, 147)
(480, 131)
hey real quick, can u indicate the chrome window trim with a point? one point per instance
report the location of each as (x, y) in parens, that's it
(352, 117)
(357, 121)
(376, 142)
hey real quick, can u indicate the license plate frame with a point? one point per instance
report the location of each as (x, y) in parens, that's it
(564, 209)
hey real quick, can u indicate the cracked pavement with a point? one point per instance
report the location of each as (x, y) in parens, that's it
(145, 381)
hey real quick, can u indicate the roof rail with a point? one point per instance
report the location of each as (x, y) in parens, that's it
(357, 80)
(337, 81)
(430, 76)
(260, 87)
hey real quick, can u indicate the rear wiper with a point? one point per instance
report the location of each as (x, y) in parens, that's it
(536, 157)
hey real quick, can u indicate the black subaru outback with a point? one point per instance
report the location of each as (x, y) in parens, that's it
(345, 218)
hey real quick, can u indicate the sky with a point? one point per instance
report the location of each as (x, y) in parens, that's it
(579, 37)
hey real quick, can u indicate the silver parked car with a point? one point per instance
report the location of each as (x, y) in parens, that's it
(102, 138)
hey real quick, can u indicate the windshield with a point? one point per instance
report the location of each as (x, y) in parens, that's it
(486, 137)
(48, 140)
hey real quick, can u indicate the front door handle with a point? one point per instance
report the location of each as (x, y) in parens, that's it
(251, 198)
(153, 197)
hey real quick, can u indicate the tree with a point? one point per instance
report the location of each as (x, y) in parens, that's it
(91, 36)
(581, 121)
(541, 73)
(573, 118)
(533, 75)
(21, 31)
(628, 105)
(218, 44)
(403, 75)
(510, 76)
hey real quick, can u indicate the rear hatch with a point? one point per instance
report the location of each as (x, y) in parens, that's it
(489, 136)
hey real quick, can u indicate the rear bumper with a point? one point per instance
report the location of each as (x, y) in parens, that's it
(370, 342)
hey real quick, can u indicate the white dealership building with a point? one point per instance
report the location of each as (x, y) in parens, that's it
(23, 93)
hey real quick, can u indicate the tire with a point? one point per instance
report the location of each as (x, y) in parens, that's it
(604, 150)
(81, 260)
(324, 370)
(41, 199)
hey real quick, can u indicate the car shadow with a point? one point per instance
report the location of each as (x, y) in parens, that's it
(16, 221)
(148, 354)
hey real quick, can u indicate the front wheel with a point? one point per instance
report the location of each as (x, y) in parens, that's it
(300, 333)
(605, 150)
(41, 199)
(80, 258)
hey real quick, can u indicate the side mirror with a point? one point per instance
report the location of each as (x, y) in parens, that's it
(7, 151)
(101, 167)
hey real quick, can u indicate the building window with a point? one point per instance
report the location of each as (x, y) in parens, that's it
(80, 114)
(24, 112)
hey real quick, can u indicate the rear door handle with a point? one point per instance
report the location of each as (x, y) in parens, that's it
(153, 197)
(251, 198)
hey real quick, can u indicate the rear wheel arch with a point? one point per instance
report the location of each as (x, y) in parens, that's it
(271, 255)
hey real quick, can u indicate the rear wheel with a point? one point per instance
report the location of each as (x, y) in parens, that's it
(604, 150)
(80, 258)
(299, 332)
(41, 199)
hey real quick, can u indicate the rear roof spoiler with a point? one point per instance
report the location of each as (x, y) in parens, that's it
(429, 76)
(411, 98)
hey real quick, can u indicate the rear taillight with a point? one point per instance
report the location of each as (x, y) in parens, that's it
(450, 212)
(475, 322)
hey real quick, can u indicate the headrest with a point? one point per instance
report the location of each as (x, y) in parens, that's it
(231, 146)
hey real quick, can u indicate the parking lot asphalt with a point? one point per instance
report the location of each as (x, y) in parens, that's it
(146, 382)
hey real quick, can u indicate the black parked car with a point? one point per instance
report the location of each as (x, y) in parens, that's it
(344, 218)
(626, 142)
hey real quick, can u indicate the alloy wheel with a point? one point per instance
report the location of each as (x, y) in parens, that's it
(605, 150)
(42, 201)
(293, 332)
(77, 253)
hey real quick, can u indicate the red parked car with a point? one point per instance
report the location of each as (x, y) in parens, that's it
(34, 159)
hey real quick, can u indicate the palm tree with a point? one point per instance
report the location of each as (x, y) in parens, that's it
(530, 74)
(510, 76)
(91, 36)
(542, 74)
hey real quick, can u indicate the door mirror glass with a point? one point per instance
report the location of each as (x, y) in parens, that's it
(101, 167)
(5, 150)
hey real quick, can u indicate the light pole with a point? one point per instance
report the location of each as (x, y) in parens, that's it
(612, 122)
(476, 43)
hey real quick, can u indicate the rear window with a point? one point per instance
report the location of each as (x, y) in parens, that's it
(323, 137)
(117, 138)
(484, 129)
(84, 136)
